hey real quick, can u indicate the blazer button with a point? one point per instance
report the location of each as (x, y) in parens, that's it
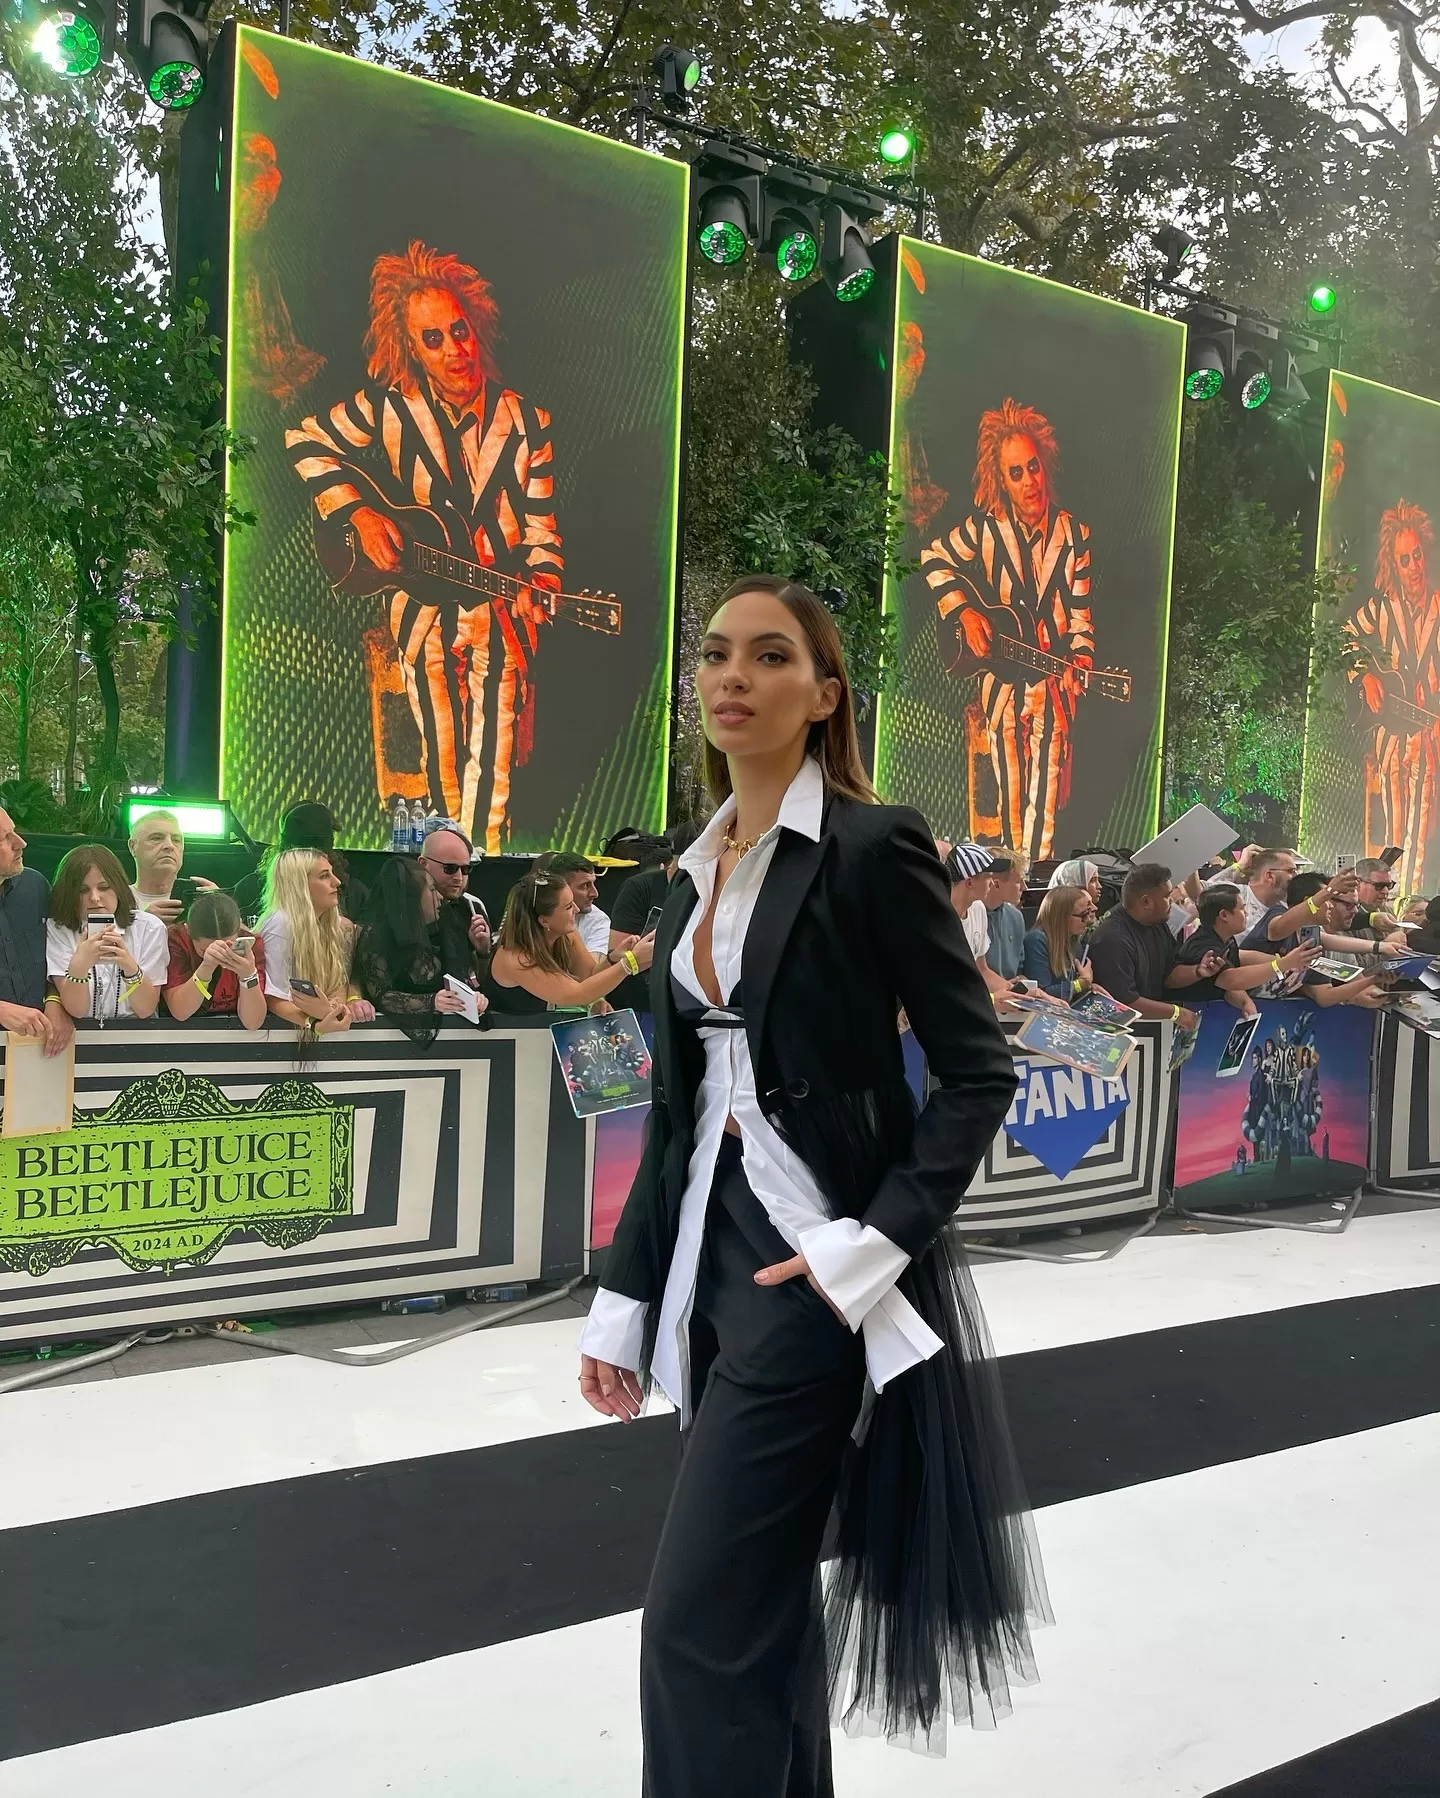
(798, 1089)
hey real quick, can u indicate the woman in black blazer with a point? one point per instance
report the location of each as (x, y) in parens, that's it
(781, 1269)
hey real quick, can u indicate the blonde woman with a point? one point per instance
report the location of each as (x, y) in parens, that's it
(307, 944)
(1055, 957)
(540, 961)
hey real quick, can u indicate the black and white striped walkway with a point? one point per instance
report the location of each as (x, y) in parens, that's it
(282, 1579)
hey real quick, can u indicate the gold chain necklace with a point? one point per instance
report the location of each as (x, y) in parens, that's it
(741, 847)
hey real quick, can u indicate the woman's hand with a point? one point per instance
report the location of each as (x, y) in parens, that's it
(337, 1018)
(361, 1011)
(643, 949)
(791, 1270)
(87, 952)
(448, 1002)
(613, 1391)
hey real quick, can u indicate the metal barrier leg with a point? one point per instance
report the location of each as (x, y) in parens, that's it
(1418, 1193)
(1059, 1256)
(274, 1344)
(1336, 1227)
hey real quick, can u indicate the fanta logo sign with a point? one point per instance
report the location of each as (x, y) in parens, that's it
(1059, 1113)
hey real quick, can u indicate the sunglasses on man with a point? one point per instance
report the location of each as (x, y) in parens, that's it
(445, 867)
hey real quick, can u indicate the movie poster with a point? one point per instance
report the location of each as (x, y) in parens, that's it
(1287, 1118)
(455, 344)
(1372, 740)
(1034, 439)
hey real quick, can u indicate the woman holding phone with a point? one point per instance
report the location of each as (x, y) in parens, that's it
(216, 965)
(308, 944)
(1054, 952)
(106, 957)
(782, 1269)
(540, 961)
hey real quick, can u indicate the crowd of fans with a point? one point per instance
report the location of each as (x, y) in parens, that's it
(1254, 928)
(303, 940)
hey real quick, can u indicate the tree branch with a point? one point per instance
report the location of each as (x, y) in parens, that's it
(1255, 20)
(585, 95)
(1388, 128)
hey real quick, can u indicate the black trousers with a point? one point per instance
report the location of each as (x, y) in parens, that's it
(732, 1659)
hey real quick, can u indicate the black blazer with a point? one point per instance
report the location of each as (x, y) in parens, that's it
(844, 930)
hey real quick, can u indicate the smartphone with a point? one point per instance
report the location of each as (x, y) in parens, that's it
(1309, 935)
(652, 919)
(98, 922)
(1345, 864)
(307, 987)
(1391, 855)
(184, 889)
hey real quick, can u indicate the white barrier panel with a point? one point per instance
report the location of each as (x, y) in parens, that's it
(1122, 1171)
(212, 1174)
(1405, 1138)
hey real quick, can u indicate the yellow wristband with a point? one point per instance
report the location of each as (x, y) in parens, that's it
(1275, 963)
(1314, 908)
(1174, 1013)
(139, 980)
(629, 962)
(200, 986)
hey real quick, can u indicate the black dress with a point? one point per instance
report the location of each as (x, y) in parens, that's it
(936, 1575)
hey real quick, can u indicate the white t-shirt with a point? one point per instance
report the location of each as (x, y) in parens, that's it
(593, 929)
(976, 925)
(145, 938)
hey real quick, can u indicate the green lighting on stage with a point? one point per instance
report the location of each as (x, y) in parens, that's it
(797, 254)
(1323, 298)
(897, 144)
(855, 285)
(196, 817)
(722, 243)
(691, 74)
(67, 43)
(176, 85)
(1256, 391)
(1203, 383)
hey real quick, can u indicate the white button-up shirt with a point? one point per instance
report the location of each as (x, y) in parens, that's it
(855, 1266)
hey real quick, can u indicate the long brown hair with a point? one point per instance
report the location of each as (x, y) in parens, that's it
(833, 742)
(1054, 919)
(70, 878)
(522, 929)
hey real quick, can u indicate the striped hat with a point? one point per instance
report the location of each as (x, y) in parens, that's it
(966, 860)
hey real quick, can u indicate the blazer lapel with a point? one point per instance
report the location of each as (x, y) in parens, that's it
(787, 880)
(680, 901)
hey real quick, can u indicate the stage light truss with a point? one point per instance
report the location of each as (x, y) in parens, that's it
(1254, 361)
(804, 217)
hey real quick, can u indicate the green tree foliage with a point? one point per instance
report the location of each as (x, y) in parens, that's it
(1241, 632)
(111, 448)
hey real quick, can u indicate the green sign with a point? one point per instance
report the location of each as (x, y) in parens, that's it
(171, 1170)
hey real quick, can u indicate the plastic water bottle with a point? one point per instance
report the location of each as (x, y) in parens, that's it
(417, 826)
(399, 827)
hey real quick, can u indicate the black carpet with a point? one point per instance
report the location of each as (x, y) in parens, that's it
(232, 1597)
(1396, 1759)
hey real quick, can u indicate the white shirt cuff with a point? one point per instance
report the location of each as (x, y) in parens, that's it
(615, 1329)
(854, 1265)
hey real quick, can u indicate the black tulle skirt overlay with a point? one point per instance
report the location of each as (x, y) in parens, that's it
(936, 1580)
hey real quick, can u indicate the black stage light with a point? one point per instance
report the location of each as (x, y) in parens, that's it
(845, 257)
(1176, 246)
(1209, 349)
(677, 72)
(729, 208)
(167, 44)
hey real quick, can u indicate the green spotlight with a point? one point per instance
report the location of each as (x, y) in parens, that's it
(722, 242)
(855, 286)
(175, 85)
(177, 64)
(1323, 298)
(67, 43)
(796, 254)
(1256, 391)
(897, 144)
(1203, 383)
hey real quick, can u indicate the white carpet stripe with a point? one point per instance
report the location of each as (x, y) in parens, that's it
(116, 1443)
(1209, 1626)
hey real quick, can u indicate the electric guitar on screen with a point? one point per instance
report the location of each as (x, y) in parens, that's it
(1397, 713)
(439, 563)
(1016, 657)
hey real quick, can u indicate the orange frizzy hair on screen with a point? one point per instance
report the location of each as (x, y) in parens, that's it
(393, 280)
(1400, 517)
(1010, 420)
